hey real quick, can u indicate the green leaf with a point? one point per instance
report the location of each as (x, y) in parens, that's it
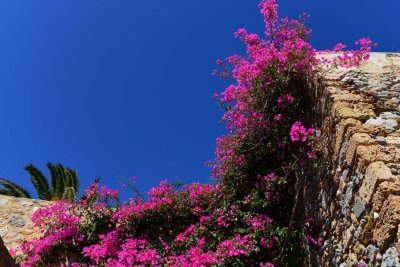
(39, 181)
(7, 193)
(57, 181)
(14, 189)
(74, 178)
(69, 194)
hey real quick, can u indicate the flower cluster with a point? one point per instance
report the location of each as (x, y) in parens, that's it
(60, 226)
(351, 58)
(298, 133)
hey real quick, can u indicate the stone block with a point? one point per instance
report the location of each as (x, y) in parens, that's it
(376, 173)
(355, 113)
(352, 260)
(346, 97)
(341, 131)
(371, 251)
(346, 200)
(385, 189)
(391, 258)
(393, 141)
(359, 208)
(386, 123)
(358, 248)
(389, 116)
(369, 154)
(17, 221)
(356, 140)
(388, 222)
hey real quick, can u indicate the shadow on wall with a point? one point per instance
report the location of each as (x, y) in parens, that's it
(5, 258)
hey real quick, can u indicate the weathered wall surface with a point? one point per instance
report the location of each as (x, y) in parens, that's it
(358, 113)
(15, 219)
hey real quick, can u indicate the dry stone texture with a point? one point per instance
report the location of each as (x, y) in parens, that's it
(15, 219)
(358, 185)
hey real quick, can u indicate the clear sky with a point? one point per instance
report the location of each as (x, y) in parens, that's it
(123, 88)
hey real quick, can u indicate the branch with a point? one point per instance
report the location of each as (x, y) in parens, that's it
(299, 186)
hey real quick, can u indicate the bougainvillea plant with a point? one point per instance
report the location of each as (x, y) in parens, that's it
(250, 215)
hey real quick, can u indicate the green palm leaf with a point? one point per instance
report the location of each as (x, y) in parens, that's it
(39, 181)
(69, 194)
(73, 176)
(68, 178)
(13, 188)
(57, 179)
(6, 192)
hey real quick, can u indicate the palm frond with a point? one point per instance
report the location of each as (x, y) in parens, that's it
(68, 178)
(69, 194)
(13, 188)
(73, 178)
(6, 192)
(61, 172)
(57, 179)
(39, 181)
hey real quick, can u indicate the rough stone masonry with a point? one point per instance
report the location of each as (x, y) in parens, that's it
(16, 224)
(358, 187)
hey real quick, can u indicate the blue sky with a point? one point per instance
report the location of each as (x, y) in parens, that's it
(123, 88)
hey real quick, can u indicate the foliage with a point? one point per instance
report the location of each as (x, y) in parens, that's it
(64, 182)
(10, 188)
(251, 215)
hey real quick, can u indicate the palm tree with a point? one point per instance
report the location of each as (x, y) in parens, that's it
(64, 182)
(10, 188)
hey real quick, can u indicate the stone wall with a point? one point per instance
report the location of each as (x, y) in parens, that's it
(15, 219)
(358, 186)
